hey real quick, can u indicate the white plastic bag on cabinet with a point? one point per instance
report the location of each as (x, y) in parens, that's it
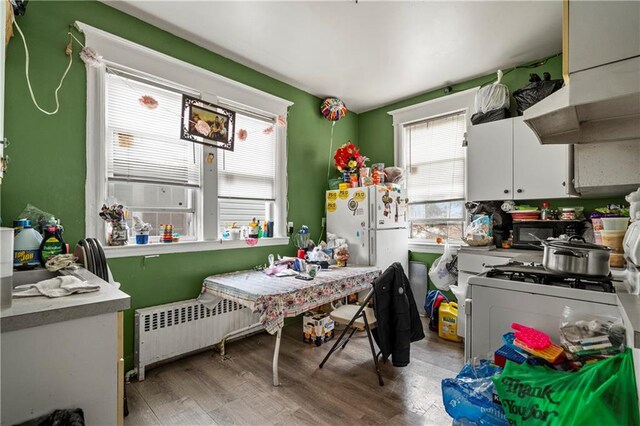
(492, 96)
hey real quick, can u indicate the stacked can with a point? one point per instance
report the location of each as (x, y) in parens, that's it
(167, 233)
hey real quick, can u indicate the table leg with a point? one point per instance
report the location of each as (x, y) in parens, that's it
(276, 354)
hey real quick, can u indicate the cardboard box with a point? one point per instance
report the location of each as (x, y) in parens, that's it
(317, 328)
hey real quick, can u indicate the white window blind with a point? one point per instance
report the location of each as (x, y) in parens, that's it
(436, 158)
(246, 176)
(249, 171)
(144, 144)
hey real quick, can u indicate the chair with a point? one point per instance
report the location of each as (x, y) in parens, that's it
(356, 318)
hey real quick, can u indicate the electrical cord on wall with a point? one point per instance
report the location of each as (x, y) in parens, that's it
(69, 53)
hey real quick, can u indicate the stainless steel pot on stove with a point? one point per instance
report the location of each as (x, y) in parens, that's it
(576, 257)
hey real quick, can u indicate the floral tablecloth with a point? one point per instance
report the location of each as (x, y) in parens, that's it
(276, 298)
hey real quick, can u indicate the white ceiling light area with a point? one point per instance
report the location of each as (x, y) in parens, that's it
(368, 54)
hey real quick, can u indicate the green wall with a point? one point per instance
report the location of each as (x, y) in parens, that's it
(48, 152)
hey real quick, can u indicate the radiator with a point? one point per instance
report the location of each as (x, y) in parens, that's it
(173, 330)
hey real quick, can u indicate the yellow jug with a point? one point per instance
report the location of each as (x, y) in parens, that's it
(448, 321)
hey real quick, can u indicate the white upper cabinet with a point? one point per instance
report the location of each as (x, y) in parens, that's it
(506, 161)
(601, 32)
(539, 171)
(490, 161)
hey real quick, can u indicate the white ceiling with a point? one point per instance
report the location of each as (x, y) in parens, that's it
(368, 54)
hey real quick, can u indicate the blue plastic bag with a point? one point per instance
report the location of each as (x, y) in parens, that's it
(469, 397)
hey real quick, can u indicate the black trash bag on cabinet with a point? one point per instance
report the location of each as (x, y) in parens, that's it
(493, 115)
(535, 91)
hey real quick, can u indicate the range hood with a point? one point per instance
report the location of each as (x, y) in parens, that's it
(600, 104)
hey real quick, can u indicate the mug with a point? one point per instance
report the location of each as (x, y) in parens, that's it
(312, 270)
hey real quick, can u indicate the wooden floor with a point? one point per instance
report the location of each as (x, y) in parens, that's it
(205, 389)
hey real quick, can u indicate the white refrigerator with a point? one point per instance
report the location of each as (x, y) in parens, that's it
(373, 220)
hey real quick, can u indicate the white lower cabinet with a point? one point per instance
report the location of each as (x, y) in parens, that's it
(505, 160)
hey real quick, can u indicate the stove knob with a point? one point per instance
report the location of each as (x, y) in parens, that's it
(519, 191)
(506, 191)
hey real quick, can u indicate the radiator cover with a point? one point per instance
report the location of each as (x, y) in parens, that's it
(169, 331)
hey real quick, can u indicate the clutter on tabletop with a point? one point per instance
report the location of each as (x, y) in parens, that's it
(301, 240)
(118, 231)
(342, 255)
(32, 248)
(480, 231)
(500, 224)
(141, 230)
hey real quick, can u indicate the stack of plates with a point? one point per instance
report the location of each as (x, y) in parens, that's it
(525, 214)
(90, 254)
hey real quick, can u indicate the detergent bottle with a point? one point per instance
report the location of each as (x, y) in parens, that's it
(52, 244)
(448, 321)
(25, 247)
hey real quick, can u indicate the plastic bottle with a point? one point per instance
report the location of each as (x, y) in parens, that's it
(26, 247)
(545, 213)
(52, 244)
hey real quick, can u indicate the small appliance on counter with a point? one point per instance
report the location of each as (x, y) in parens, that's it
(528, 233)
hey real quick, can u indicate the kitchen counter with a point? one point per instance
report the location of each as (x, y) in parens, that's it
(36, 311)
(63, 352)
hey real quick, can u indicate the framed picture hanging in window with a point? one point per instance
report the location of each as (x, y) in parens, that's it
(207, 124)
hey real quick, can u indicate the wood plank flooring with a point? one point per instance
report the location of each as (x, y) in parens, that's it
(205, 389)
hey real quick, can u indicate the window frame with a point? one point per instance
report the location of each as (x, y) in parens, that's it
(440, 107)
(212, 87)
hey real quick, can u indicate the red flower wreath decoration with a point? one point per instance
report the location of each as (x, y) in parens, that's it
(348, 158)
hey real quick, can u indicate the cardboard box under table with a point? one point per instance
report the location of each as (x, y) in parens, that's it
(317, 328)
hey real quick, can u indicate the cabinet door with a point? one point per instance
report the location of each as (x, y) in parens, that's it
(490, 161)
(601, 32)
(539, 171)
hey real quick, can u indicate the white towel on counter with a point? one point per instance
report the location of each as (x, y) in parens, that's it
(63, 285)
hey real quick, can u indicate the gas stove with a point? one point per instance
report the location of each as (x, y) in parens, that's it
(536, 274)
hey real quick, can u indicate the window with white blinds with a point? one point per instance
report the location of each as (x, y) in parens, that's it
(150, 170)
(436, 158)
(145, 144)
(247, 176)
(436, 177)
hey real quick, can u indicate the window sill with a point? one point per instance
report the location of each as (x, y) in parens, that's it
(132, 250)
(422, 246)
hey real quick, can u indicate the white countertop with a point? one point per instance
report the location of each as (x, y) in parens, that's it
(26, 312)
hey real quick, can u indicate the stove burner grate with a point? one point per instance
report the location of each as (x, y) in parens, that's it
(536, 274)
